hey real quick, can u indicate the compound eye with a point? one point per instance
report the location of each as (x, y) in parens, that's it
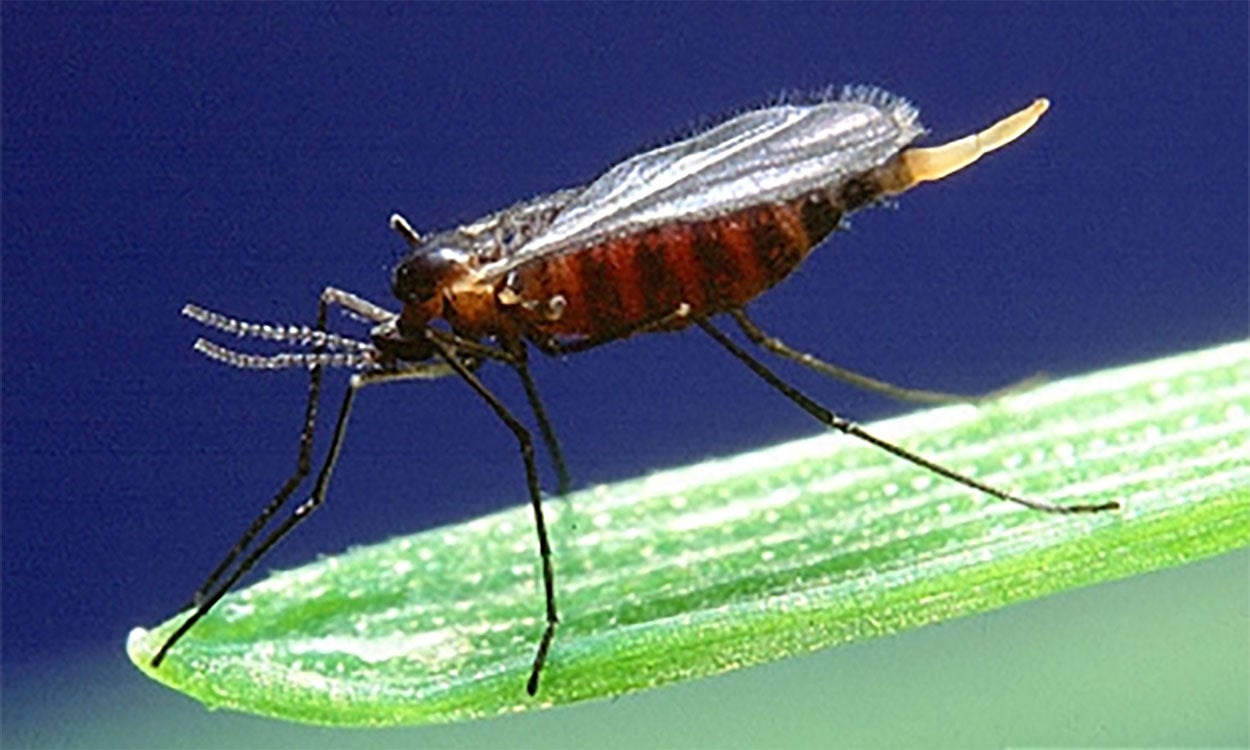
(420, 276)
(410, 284)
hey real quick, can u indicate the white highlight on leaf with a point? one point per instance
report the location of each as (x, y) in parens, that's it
(731, 511)
(433, 647)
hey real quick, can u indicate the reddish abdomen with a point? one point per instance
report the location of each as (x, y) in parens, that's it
(612, 289)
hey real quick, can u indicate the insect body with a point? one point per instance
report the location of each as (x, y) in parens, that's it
(698, 227)
(662, 241)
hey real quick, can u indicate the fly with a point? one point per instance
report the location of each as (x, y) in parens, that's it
(661, 242)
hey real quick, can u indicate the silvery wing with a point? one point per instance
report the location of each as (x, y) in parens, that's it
(764, 156)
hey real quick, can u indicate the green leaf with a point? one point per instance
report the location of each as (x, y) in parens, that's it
(749, 559)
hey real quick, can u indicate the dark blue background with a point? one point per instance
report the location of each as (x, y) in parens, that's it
(245, 156)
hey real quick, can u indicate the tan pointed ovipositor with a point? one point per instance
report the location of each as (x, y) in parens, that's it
(916, 165)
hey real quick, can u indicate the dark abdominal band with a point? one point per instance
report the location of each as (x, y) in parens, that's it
(712, 266)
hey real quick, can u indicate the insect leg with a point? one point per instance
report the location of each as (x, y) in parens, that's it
(531, 479)
(848, 427)
(303, 464)
(301, 512)
(516, 356)
(521, 365)
(911, 395)
(357, 304)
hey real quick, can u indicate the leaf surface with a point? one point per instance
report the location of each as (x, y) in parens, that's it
(744, 560)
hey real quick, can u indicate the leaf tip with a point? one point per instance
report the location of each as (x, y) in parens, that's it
(138, 647)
